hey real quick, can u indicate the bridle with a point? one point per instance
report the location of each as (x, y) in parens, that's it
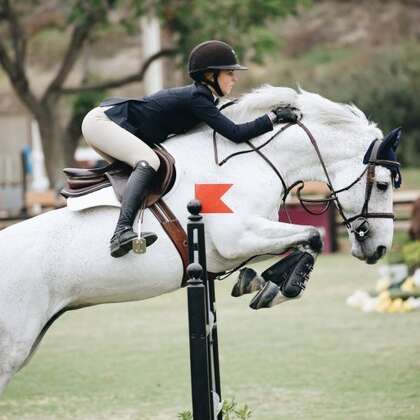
(361, 227)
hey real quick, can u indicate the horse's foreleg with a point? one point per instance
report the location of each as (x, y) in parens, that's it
(254, 235)
(285, 279)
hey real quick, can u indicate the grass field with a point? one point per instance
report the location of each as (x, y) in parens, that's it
(309, 359)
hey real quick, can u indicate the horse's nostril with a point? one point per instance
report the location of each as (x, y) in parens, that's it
(381, 250)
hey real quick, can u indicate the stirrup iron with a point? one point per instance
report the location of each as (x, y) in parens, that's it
(139, 244)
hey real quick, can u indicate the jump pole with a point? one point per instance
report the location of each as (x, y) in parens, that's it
(204, 353)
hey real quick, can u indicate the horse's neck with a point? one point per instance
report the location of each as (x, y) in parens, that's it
(197, 151)
(291, 152)
(298, 159)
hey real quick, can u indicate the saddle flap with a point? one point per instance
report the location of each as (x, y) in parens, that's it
(161, 184)
(165, 177)
(86, 173)
(84, 181)
(79, 173)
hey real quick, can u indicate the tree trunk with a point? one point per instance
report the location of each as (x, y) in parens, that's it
(53, 140)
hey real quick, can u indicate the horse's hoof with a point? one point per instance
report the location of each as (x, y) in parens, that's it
(248, 282)
(264, 298)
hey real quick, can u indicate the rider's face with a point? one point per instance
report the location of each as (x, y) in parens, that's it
(227, 79)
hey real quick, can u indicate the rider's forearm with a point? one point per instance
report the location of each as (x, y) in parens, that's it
(239, 133)
(206, 111)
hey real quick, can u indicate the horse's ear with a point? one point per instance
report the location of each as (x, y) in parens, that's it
(387, 149)
(390, 142)
(387, 154)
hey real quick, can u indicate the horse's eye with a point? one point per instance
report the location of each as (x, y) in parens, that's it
(383, 186)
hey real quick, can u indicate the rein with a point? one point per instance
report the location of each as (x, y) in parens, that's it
(361, 230)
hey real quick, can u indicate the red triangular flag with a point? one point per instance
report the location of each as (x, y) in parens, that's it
(210, 196)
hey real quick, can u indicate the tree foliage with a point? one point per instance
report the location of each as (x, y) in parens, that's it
(383, 82)
(243, 23)
(387, 91)
(240, 22)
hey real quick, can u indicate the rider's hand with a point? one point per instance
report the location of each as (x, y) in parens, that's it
(283, 115)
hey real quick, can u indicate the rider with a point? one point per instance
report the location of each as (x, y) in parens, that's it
(125, 128)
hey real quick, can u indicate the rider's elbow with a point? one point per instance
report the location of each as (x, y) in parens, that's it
(237, 136)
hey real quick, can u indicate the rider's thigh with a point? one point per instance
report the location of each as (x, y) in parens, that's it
(114, 141)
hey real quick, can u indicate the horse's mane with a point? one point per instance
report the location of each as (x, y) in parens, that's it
(312, 106)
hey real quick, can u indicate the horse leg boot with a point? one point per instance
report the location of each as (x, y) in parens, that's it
(135, 192)
(287, 278)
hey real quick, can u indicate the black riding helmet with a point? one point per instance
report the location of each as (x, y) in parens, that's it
(212, 56)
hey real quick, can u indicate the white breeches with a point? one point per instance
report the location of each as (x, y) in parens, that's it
(114, 142)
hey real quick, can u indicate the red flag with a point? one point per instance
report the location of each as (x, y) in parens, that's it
(210, 196)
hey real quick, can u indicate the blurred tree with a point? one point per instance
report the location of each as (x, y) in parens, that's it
(391, 82)
(240, 22)
(383, 82)
(243, 23)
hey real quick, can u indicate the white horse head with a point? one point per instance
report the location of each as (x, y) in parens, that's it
(343, 134)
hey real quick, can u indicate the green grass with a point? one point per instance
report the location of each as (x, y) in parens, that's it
(314, 358)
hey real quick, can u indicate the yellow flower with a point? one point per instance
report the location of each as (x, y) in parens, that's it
(382, 284)
(383, 303)
(408, 285)
(396, 305)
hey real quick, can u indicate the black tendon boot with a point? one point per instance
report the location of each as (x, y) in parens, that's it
(135, 192)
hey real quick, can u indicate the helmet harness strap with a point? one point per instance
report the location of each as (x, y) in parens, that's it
(215, 83)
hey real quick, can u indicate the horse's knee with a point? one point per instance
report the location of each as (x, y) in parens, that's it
(315, 241)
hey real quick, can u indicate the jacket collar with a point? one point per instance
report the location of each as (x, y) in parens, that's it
(204, 87)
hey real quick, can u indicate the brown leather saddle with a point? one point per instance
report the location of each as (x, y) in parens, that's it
(84, 181)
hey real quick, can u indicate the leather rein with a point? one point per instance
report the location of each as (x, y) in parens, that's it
(361, 228)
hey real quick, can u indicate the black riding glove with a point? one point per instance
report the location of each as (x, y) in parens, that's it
(283, 115)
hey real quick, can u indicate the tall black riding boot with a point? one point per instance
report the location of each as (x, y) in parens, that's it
(135, 192)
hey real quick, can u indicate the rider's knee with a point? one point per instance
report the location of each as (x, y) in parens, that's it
(153, 161)
(87, 126)
(149, 160)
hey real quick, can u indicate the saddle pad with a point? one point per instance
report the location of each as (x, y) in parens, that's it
(103, 197)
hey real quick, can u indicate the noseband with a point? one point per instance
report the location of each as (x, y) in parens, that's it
(361, 227)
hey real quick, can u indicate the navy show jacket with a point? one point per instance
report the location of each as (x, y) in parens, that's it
(176, 111)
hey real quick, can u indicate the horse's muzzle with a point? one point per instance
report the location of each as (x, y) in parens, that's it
(379, 253)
